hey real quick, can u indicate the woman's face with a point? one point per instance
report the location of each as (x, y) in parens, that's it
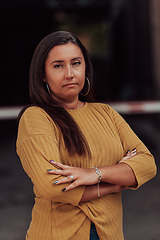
(65, 72)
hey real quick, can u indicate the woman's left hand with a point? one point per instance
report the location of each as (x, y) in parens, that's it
(76, 175)
(129, 155)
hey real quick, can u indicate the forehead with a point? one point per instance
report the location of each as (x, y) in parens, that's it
(65, 51)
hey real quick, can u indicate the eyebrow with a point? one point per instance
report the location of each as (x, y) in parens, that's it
(60, 61)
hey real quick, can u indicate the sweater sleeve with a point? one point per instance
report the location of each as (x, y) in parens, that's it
(143, 164)
(37, 143)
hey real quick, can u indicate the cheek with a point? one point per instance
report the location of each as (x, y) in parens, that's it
(82, 75)
(55, 85)
(52, 78)
(81, 80)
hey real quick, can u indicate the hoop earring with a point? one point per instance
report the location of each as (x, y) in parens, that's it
(47, 86)
(89, 86)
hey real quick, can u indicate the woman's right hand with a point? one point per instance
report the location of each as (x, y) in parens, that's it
(76, 176)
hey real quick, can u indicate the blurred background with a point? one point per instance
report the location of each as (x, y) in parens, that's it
(123, 39)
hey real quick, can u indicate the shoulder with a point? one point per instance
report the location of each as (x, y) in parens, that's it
(35, 120)
(33, 115)
(107, 112)
(101, 107)
(33, 111)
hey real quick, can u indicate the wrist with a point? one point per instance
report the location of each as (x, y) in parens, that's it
(98, 172)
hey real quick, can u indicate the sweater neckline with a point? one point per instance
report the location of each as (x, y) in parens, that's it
(78, 110)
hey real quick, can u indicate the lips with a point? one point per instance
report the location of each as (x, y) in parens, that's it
(70, 84)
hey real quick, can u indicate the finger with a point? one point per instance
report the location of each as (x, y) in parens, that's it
(57, 164)
(134, 150)
(70, 187)
(124, 158)
(129, 155)
(58, 172)
(67, 179)
(132, 154)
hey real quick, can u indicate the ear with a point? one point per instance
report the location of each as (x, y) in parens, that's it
(44, 77)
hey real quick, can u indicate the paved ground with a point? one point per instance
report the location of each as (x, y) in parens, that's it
(141, 207)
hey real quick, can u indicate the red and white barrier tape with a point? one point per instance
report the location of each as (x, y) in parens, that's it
(7, 113)
(143, 107)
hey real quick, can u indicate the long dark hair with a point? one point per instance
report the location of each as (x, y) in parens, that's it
(74, 140)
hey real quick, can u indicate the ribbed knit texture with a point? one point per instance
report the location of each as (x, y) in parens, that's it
(59, 215)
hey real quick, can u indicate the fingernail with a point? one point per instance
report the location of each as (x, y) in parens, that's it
(52, 161)
(128, 151)
(55, 182)
(49, 170)
(63, 189)
(134, 149)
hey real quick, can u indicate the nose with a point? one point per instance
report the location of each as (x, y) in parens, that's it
(69, 72)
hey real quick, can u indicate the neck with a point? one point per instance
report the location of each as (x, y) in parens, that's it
(74, 105)
(70, 104)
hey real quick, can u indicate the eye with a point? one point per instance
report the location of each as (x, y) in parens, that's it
(58, 66)
(77, 63)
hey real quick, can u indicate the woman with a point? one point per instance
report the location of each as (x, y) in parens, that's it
(75, 151)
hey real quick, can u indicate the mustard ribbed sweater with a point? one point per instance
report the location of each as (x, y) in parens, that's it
(59, 215)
